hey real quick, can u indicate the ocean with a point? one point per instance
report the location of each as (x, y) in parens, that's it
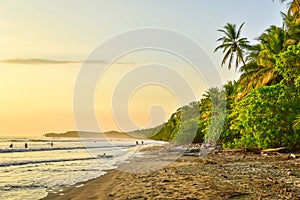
(49, 164)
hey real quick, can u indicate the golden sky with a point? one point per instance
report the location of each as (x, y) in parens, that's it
(44, 44)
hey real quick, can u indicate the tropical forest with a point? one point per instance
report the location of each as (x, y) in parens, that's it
(261, 109)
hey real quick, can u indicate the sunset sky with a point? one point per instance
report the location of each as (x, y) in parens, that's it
(43, 45)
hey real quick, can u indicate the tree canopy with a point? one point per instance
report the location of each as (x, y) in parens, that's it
(259, 110)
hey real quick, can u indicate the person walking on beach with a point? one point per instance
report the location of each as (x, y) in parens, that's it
(26, 145)
(136, 142)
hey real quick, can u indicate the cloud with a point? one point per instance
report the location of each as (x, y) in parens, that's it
(39, 61)
(36, 61)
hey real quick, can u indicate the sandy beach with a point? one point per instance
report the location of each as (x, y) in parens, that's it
(220, 175)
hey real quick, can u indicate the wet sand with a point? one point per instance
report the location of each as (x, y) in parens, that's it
(220, 175)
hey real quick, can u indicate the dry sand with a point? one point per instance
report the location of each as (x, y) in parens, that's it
(220, 175)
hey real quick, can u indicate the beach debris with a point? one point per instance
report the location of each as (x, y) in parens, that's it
(264, 177)
(293, 156)
(191, 152)
(105, 156)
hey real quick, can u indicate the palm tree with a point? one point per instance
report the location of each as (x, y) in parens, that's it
(232, 45)
(213, 111)
(261, 68)
(248, 80)
(293, 6)
(272, 42)
(231, 92)
(216, 98)
(292, 27)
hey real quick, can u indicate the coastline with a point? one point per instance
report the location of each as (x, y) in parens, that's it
(220, 175)
(101, 183)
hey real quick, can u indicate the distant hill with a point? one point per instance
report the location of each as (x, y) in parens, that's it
(71, 134)
(84, 134)
(144, 133)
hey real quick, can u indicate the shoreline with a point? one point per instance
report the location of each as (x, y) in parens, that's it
(220, 175)
(59, 193)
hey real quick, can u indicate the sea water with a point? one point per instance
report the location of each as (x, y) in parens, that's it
(50, 164)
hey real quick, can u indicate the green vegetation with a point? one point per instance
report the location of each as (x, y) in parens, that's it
(262, 108)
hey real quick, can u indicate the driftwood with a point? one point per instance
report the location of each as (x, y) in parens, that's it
(274, 150)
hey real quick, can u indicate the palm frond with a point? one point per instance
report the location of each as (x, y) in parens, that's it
(239, 31)
(232, 45)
